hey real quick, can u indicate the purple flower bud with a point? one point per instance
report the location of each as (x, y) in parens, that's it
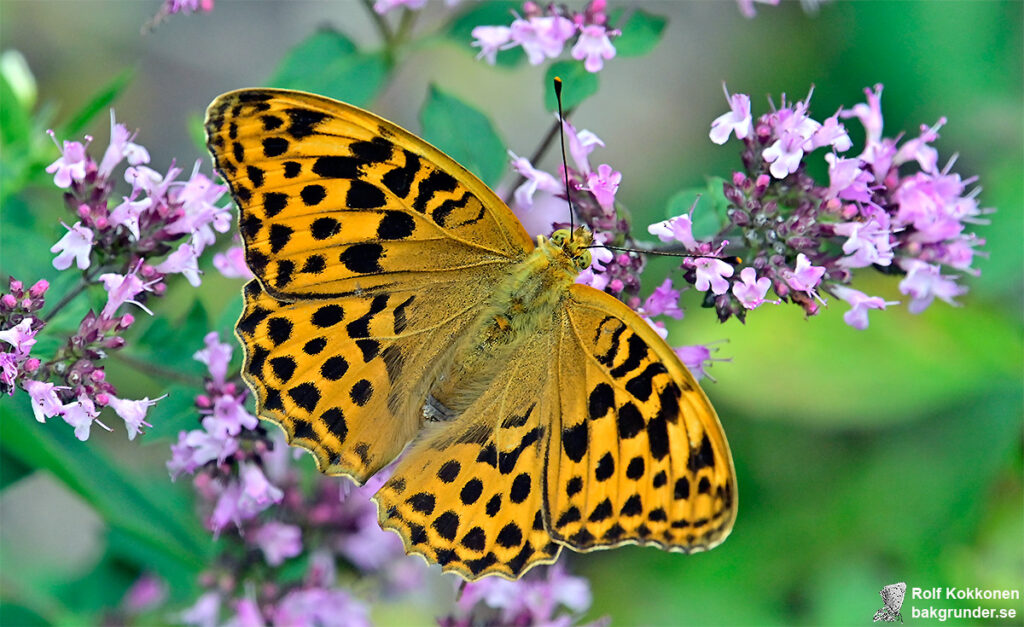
(40, 287)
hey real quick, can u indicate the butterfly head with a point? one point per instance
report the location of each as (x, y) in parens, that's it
(575, 245)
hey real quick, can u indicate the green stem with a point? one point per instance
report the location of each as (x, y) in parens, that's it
(538, 154)
(381, 24)
(157, 372)
(405, 27)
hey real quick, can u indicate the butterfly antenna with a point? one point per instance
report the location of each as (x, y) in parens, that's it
(731, 259)
(565, 165)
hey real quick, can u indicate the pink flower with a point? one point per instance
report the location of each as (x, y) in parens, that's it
(45, 402)
(128, 213)
(924, 283)
(581, 144)
(200, 215)
(525, 601)
(596, 280)
(737, 120)
(785, 155)
(491, 39)
(122, 289)
(132, 412)
(21, 337)
(870, 116)
(71, 166)
(76, 244)
(8, 371)
(384, 6)
(679, 228)
(317, 606)
(278, 541)
(805, 277)
(535, 180)
(664, 301)
(603, 185)
(697, 359)
(847, 180)
(80, 414)
(229, 418)
(231, 263)
(860, 303)
(750, 290)
(594, 46)
(184, 261)
(195, 448)
(147, 593)
(867, 242)
(247, 614)
(918, 149)
(242, 499)
(120, 147)
(205, 612)
(542, 37)
(711, 273)
(831, 133)
(216, 356)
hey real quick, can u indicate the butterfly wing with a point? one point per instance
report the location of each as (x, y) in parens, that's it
(470, 495)
(334, 200)
(637, 452)
(370, 249)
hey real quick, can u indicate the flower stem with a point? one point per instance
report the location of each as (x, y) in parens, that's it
(75, 291)
(157, 372)
(382, 26)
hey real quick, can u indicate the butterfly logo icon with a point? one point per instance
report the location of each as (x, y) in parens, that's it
(892, 596)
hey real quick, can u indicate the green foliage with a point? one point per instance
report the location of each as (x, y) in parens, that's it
(640, 33)
(577, 84)
(465, 133)
(710, 215)
(329, 64)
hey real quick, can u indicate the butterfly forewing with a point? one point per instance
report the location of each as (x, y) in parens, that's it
(638, 454)
(334, 200)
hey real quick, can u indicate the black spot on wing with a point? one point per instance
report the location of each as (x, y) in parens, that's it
(435, 182)
(637, 351)
(363, 258)
(303, 122)
(399, 180)
(337, 167)
(575, 441)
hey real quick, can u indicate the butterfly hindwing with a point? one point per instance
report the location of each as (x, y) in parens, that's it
(638, 454)
(335, 200)
(470, 495)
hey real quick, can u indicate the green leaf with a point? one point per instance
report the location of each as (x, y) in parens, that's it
(177, 412)
(710, 214)
(148, 511)
(465, 133)
(170, 345)
(101, 100)
(640, 34)
(328, 63)
(15, 120)
(577, 84)
(498, 13)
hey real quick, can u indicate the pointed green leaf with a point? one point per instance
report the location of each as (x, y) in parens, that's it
(328, 63)
(465, 133)
(640, 33)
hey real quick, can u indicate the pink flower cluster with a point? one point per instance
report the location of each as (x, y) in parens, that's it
(545, 596)
(81, 390)
(254, 497)
(543, 34)
(158, 214)
(889, 207)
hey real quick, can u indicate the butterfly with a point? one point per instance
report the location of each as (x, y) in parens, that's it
(892, 596)
(399, 305)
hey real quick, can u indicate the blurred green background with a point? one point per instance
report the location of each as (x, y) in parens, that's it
(864, 458)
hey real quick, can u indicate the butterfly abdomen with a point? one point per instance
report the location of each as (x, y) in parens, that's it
(519, 310)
